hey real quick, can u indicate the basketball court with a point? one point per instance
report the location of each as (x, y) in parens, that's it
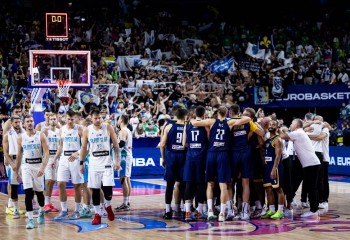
(145, 220)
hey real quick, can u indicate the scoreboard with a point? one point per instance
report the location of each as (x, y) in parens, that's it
(56, 27)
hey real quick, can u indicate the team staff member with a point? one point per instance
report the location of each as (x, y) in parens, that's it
(309, 161)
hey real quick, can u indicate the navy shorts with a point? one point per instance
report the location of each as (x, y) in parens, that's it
(274, 183)
(194, 170)
(242, 163)
(174, 166)
(218, 167)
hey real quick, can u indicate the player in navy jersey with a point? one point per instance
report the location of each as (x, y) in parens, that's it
(273, 174)
(241, 159)
(195, 139)
(178, 189)
(218, 163)
(174, 160)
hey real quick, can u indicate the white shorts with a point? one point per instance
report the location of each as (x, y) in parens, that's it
(68, 169)
(51, 173)
(97, 178)
(30, 179)
(125, 167)
(12, 175)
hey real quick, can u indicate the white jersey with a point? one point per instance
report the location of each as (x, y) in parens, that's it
(70, 139)
(53, 139)
(12, 136)
(44, 125)
(128, 144)
(32, 150)
(99, 148)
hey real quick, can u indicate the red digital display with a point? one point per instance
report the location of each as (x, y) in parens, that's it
(56, 27)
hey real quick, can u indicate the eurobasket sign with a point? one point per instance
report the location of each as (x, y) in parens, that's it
(311, 96)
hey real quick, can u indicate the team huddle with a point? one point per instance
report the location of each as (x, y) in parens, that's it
(212, 163)
(84, 151)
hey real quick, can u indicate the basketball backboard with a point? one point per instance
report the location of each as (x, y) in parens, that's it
(47, 66)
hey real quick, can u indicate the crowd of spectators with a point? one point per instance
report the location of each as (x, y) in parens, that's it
(318, 49)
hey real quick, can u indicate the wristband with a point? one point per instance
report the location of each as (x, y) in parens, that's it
(81, 162)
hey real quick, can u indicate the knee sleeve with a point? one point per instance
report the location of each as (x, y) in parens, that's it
(96, 196)
(29, 194)
(169, 191)
(14, 191)
(108, 192)
(41, 198)
(189, 190)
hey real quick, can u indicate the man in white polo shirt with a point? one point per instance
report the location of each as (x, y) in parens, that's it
(308, 159)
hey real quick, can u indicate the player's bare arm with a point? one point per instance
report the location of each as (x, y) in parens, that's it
(45, 146)
(114, 139)
(163, 143)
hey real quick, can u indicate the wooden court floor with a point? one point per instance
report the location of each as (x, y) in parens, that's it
(145, 221)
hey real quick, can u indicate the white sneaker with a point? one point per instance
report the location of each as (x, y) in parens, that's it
(310, 214)
(323, 205)
(245, 215)
(294, 204)
(305, 204)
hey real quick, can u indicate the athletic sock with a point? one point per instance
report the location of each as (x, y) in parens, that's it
(76, 207)
(280, 207)
(15, 205)
(167, 207)
(107, 203)
(187, 207)
(272, 208)
(47, 200)
(9, 203)
(177, 207)
(210, 204)
(97, 209)
(125, 200)
(64, 206)
(222, 208)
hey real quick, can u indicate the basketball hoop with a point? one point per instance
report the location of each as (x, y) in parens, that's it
(63, 87)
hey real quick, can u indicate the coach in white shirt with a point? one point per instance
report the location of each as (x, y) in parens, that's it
(308, 159)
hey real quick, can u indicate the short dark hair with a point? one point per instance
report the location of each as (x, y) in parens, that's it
(235, 109)
(27, 116)
(181, 113)
(200, 111)
(70, 113)
(16, 107)
(175, 109)
(95, 111)
(78, 114)
(125, 119)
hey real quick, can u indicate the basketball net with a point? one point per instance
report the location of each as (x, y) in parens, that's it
(63, 87)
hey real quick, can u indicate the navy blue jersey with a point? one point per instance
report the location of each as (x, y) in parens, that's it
(174, 140)
(240, 135)
(270, 153)
(197, 140)
(219, 137)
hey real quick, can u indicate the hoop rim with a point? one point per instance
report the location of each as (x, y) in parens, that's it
(63, 82)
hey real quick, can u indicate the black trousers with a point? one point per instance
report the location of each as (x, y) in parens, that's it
(287, 179)
(323, 188)
(310, 181)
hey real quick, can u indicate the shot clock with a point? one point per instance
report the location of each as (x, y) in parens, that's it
(56, 27)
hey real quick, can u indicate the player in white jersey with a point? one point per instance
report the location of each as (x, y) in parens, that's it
(101, 169)
(68, 166)
(125, 144)
(52, 134)
(10, 152)
(15, 110)
(33, 147)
